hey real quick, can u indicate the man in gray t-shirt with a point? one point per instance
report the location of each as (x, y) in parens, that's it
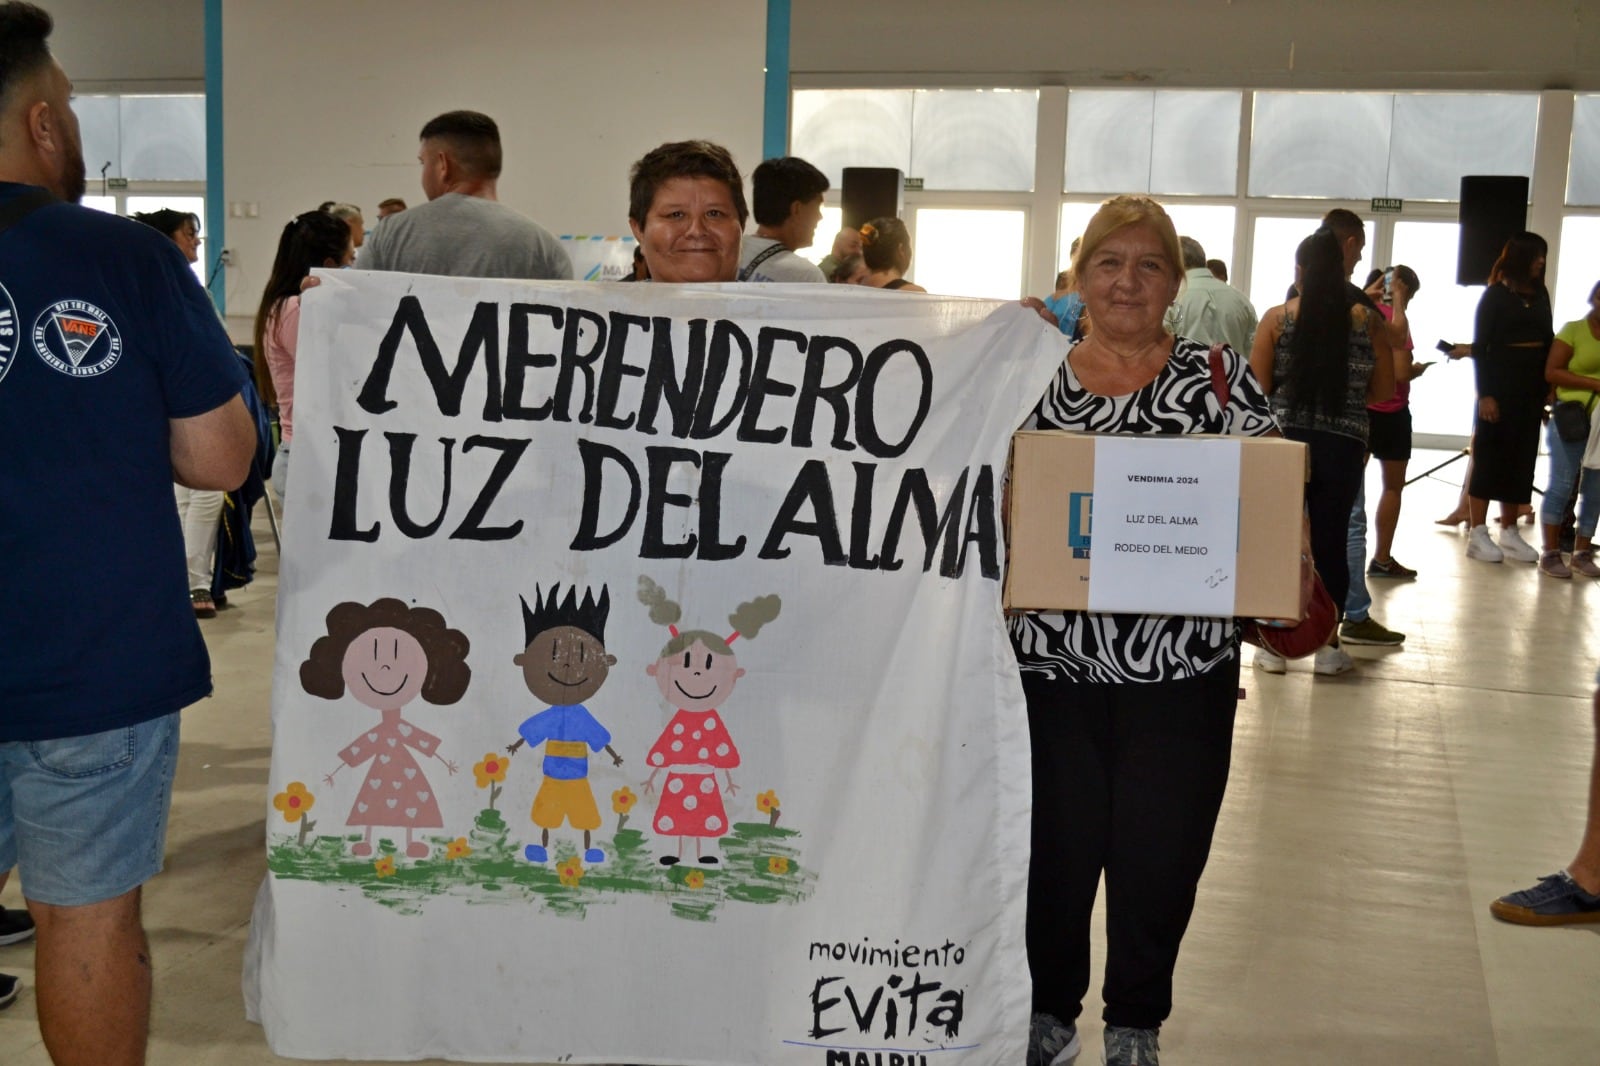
(463, 230)
(788, 206)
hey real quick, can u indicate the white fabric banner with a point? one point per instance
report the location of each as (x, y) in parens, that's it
(642, 693)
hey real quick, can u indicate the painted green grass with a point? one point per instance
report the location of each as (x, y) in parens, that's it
(496, 873)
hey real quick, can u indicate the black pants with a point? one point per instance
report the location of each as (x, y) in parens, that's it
(1127, 780)
(1337, 464)
(1504, 452)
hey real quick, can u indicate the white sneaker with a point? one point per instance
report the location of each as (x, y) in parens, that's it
(1514, 547)
(1270, 662)
(1481, 547)
(1330, 661)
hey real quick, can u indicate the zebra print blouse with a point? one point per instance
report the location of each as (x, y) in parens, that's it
(1081, 646)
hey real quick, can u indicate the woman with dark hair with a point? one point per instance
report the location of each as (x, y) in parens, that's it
(1323, 358)
(687, 210)
(1509, 347)
(886, 246)
(1573, 367)
(314, 239)
(181, 227)
(199, 510)
(1390, 437)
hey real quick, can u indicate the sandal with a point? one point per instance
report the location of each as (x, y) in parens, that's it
(204, 607)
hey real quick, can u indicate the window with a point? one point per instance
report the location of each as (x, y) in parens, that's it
(1074, 219)
(1442, 400)
(1166, 142)
(1438, 137)
(1583, 169)
(1354, 146)
(969, 252)
(1210, 224)
(1272, 249)
(834, 129)
(822, 244)
(143, 138)
(1580, 267)
(1332, 145)
(981, 139)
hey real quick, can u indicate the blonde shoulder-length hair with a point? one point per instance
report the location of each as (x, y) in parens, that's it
(1129, 210)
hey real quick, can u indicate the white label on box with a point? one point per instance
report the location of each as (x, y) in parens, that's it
(1166, 526)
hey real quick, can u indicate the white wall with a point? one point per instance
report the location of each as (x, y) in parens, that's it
(323, 101)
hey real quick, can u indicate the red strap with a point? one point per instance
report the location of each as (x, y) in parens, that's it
(1219, 379)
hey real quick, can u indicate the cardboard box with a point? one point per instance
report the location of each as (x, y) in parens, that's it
(1185, 494)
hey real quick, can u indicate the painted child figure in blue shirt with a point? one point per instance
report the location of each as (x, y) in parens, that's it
(565, 662)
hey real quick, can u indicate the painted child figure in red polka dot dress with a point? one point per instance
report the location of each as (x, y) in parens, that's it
(696, 671)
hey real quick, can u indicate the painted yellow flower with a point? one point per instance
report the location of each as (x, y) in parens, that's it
(491, 770)
(623, 799)
(777, 864)
(695, 879)
(385, 866)
(570, 871)
(457, 849)
(294, 801)
(767, 802)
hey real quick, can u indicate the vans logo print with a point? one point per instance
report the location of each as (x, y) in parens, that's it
(77, 338)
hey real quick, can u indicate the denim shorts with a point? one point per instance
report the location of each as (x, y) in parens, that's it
(84, 819)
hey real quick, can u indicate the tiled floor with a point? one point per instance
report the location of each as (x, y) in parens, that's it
(1370, 820)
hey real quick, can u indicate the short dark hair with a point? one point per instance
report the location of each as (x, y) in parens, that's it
(23, 29)
(547, 613)
(683, 159)
(393, 201)
(1344, 223)
(473, 139)
(1194, 253)
(778, 183)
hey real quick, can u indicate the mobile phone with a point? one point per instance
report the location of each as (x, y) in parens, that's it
(1445, 346)
(1388, 285)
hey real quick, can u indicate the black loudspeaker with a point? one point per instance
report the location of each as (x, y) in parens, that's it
(1493, 210)
(869, 193)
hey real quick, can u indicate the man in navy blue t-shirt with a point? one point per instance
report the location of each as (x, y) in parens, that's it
(116, 379)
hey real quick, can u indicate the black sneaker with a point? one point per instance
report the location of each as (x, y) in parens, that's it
(15, 926)
(1050, 1043)
(1369, 631)
(1556, 900)
(10, 988)
(1391, 568)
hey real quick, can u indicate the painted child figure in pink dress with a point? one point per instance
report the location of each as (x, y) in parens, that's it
(696, 672)
(386, 654)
